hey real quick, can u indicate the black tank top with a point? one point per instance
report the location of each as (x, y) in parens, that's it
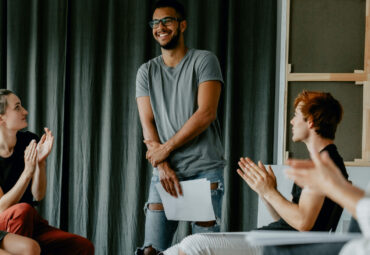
(330, 212)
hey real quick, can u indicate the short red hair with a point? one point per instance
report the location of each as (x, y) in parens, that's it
(322, 109)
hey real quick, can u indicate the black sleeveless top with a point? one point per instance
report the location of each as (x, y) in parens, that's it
(330, 212)
(11, 168)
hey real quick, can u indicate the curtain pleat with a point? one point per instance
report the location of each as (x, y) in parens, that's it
(3, 38)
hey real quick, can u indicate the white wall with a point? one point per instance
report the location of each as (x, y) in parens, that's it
(359, 176)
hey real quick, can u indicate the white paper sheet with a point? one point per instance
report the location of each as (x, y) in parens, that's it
(194, 205)
(262, 237)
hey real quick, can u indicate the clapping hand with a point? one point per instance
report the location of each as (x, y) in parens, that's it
(45, 145)
(260, 179)
(30, 156)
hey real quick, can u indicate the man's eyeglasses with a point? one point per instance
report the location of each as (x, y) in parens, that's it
(166, 21)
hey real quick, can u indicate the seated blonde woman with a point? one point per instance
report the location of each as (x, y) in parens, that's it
(23, 181)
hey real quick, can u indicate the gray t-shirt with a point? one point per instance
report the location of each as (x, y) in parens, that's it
(173, 94)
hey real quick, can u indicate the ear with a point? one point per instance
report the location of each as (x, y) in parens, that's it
(310, 123)
(1, 119)
(183, 26)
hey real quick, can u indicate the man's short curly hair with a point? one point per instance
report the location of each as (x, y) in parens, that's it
(322, 109)
(179, 8)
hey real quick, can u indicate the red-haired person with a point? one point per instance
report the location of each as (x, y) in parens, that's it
(23, 181)
(316, 117)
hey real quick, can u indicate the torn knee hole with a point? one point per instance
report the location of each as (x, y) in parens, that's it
(214, 185)
(149, 250)
(206, 224)
(156, 207)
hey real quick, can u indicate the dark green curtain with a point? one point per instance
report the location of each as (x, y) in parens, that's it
(3, 17)
(73, 63)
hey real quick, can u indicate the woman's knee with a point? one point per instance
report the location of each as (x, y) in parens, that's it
(31, 247)
(16, 244)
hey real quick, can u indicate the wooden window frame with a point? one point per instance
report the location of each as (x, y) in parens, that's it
(360, 77)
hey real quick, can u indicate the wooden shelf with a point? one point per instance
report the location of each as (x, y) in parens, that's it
(357, 163)
(359, 77)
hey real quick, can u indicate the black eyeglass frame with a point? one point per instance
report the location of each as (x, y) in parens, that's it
(155, 22)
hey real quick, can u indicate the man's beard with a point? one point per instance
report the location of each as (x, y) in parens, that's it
(174, 41)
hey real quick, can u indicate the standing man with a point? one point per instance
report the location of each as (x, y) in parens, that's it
(177, 96)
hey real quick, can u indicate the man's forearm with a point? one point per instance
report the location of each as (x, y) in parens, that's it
(287, 210)
(271, 209)
(193, 127)
(147, 119)
(207, 99)
(150, 132)
(38, 187)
